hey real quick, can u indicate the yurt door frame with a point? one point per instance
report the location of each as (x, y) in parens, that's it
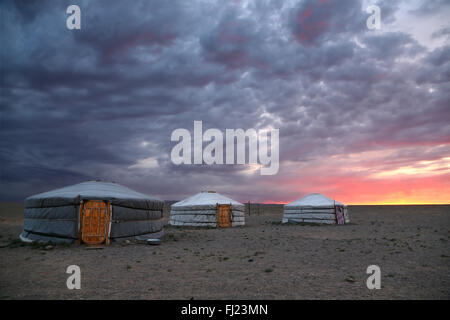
(224, 215)
(95, 222)
(339, 213)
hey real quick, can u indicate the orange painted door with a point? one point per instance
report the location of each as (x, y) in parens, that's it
(95, 222)
(224, 215)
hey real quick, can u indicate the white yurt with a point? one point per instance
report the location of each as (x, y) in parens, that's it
(315, 208)
(207, 209)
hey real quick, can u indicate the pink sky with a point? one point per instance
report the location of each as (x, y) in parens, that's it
(388, 176)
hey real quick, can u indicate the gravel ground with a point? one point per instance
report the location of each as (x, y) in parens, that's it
(263, 260)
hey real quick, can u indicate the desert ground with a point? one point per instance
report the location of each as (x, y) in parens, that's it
(263, 260)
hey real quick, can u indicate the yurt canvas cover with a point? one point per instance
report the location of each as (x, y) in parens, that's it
(315, 208)
(204, 210)
(55, 215)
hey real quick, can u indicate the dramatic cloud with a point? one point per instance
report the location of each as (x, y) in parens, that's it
(364, 115)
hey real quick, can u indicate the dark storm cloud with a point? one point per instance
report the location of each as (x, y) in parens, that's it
(102, 102)
(315, 21)
(444, 32)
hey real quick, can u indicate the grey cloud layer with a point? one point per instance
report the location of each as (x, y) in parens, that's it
(78, 105)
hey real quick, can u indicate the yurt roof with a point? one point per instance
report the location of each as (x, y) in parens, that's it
(90, 190)
(315, 200)
(206, 198)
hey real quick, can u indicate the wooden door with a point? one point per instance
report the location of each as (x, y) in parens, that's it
(339, 211)
(224, 215)
(95, 222)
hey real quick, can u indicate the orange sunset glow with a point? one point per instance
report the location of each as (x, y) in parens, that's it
(384, 177)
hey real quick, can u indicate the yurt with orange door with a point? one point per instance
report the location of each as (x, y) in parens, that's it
(316, 208)
(207, 209)
(92, 212)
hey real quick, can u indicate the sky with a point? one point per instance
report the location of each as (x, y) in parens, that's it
(363, 115)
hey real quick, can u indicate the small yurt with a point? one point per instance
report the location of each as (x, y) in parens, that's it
(207, 209)
(315, 208)
(93, 212)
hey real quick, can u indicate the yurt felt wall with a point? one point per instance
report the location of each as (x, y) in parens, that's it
(55, 215)
(200, 210)
(314, 208)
